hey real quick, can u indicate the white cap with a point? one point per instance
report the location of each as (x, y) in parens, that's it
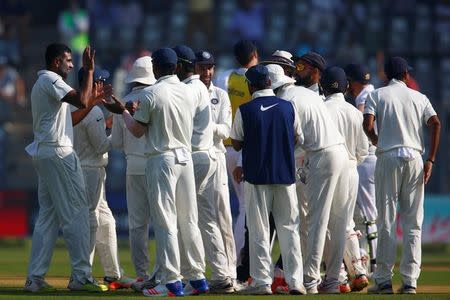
(277, 76)
(284, 54)
(142, 71)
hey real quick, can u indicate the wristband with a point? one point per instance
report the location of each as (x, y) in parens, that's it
(431, 161)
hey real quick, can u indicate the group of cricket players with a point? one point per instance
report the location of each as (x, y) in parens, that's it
(317, 157)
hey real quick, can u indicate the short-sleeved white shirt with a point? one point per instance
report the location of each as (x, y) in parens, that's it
(167, 107)
(133, 147)
(401, 114)
(317, 132)
(52, 121)
(221, 116)
(202, 136)
(90, 141)
(349, 121)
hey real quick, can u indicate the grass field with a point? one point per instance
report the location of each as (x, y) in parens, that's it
(434, 282)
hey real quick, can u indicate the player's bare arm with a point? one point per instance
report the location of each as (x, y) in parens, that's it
(83, 98)
(136, 128)
(434, 125)
(99, 93)
(369, 128)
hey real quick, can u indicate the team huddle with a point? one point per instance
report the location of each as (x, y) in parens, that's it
(321, 175)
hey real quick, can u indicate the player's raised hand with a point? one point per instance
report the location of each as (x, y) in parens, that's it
(89, 58)
(101, 91)
(116, 107)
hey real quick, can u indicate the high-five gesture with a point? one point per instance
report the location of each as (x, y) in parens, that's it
(89, 58)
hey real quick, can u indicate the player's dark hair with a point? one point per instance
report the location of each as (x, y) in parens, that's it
(54, 51)
(400, 76)
(243, 51)
(165, 69)
(261, 85)
(187, 67)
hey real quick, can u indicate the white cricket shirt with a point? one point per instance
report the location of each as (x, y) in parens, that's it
(202, 136)
(168, 108)
(90, 141)
(349, 121)
(52, 122)
(121, 138)
(400, 113)
(221, 116)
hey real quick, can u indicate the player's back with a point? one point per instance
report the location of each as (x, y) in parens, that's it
(170, 105)
(318, 132)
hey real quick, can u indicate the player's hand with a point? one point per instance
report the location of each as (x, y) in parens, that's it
(89, 58)
(132, 106)
(238, 174)
(116, 107)
(109, 122)
(427, 168)
(101, 91)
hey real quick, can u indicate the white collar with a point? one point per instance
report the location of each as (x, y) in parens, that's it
(396, 81)
(335, 97)
(192, 77)
(263, 93)
(170, 78)
(314, 88)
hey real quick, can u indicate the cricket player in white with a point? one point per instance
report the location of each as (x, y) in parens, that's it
(61, 190)
(263, 128)
(140, 77)
(324, 173)
(365, 215)
(219, 208)
(165, 115)
(348, 120)
(92, 145)
(400, 174)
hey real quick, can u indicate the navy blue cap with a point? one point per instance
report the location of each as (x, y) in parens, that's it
(396, 65)
(99, 74)
(357, 72)
(333, 79)
(164, 56)
(257, 75)
(185, 54)
(204, 58)
(312, 58)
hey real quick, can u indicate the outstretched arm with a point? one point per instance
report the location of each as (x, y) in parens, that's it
(434, 125)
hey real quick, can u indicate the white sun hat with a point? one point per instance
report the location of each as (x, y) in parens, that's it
(277, 76)
(142, 71)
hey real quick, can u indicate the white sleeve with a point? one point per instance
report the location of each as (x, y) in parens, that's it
(117, 132)
(144, 109)
(428, 111)
(57, 87)
(95, 125)
(223, 124)
(362, 144)
(371, 104)
(237, 131)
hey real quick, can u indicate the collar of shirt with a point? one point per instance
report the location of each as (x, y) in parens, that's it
(335, 97)
(139, 87)
(364, 92)
(169, 78)
(396, 81)
(41, 72)
(211, 87)
(192, 77)
(241, 71)
(314, 88)
(263, 93)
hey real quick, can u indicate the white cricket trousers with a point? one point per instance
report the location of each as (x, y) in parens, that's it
(399, 182)
(138, 206)
(225, 221)
(173, 209)
(281, 200)
(205, 168)
(352, 253)
(327, 196)
(62, 203)
(232, 157)
(103, 224)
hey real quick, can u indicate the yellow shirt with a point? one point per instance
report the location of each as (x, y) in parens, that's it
(238, 93)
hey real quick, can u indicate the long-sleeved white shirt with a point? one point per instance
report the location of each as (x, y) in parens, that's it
(90, 141)
(121, 138)
(202, 135)
(221, 116)
(317, 132)
(349, 121)
(401, 114)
